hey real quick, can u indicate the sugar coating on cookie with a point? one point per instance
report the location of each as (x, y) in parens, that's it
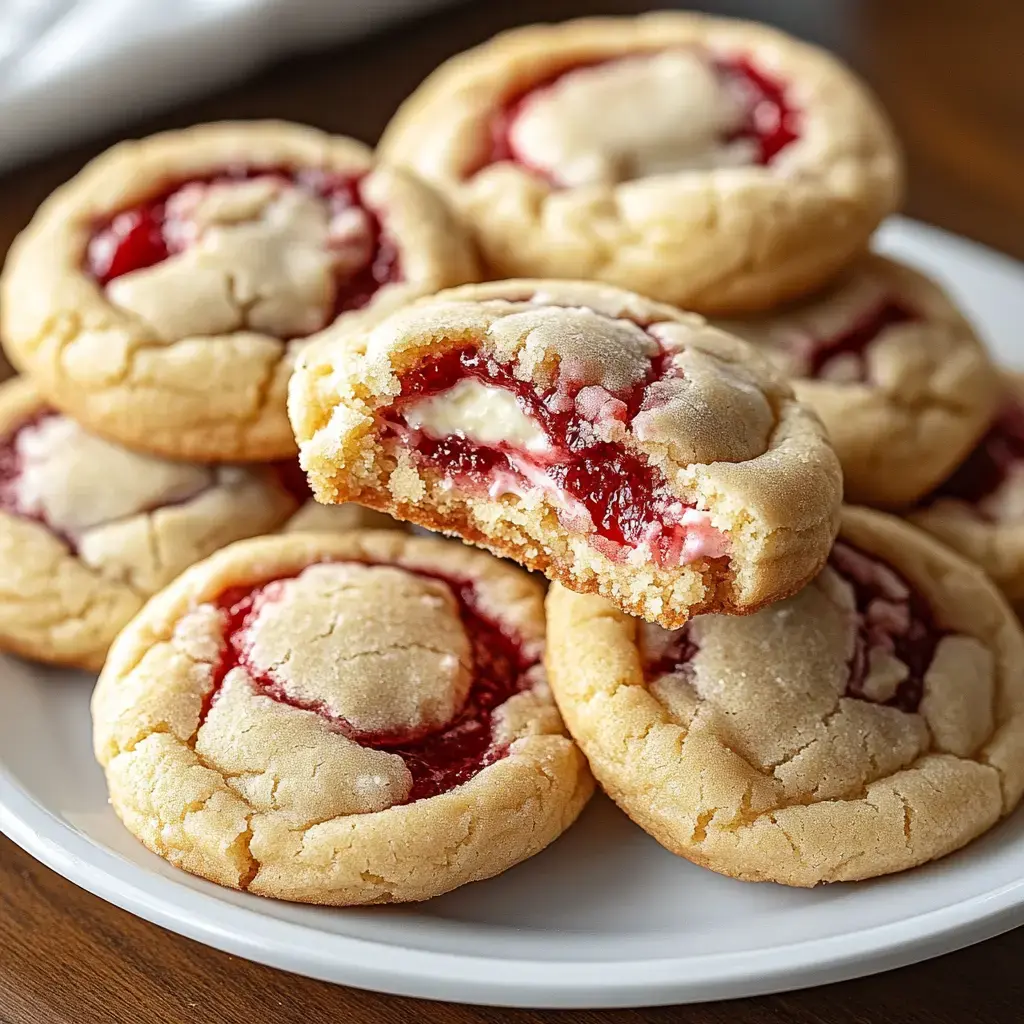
(340, 720)
(979, 509)
(615, 444)
(161, 295)
(870, 723)
(88, 529)
(730, 167)
(894, 369)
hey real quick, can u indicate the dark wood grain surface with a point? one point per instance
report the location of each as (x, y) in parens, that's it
(951, 74)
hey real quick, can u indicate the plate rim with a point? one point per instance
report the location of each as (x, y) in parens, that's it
(489, 980)
(516, 981)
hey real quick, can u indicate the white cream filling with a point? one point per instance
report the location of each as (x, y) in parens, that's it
(259, 255)
(75, 481)
(631, 118)
(482, 414)
(491, 417)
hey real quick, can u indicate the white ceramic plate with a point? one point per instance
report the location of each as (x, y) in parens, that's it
(604, 917)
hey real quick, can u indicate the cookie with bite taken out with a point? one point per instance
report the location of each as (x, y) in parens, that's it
(614, 443)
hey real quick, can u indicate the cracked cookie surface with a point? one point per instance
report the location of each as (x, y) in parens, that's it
(979, 509)
(89, 530)
(339, 720)
(160, 296)
(894, 370)
(614, 443)
(870, 723)
(731, 167)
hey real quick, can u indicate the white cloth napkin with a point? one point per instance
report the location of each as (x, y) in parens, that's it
(71, 67)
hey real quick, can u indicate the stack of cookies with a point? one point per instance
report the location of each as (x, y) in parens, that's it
(155, 305)
(603, 303)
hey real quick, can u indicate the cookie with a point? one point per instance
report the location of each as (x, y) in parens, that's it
(719, 165)
(979, 509)
(613, 443)
(312, 517)
(894, 370)
(339, 720)
(161, 295)
(870, 723)
(89, 530)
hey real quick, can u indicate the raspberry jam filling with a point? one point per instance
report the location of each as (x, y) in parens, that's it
(438, 761)
(144, 235)
(598, 485)
(841, 357)
(769, 121)
(893, 618)
(997, 455)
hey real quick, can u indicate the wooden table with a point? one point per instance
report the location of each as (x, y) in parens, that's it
(951, 74)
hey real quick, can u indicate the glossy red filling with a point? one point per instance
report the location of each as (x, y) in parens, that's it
(628, 500)
(891, 615)
(438, 761)
(985, 469)
(856, 338)
(147, 234)
(770, 120)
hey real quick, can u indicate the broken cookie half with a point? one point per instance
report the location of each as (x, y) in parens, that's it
(616, 444)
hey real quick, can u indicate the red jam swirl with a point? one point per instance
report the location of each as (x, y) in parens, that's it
(144, 235)
(770, 121)
(891, 615)
(628, 500)
(987, 467)
(438, 761)
(856, 338)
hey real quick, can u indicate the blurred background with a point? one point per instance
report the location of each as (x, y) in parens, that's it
(76, 75)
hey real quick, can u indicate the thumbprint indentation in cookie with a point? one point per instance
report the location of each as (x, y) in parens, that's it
(841, 356)
(991, 478)
(474, 419)
(56, 474)
(271, 249)
(896, 636)
(393, 659)
(894, 645)
(699, 112)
